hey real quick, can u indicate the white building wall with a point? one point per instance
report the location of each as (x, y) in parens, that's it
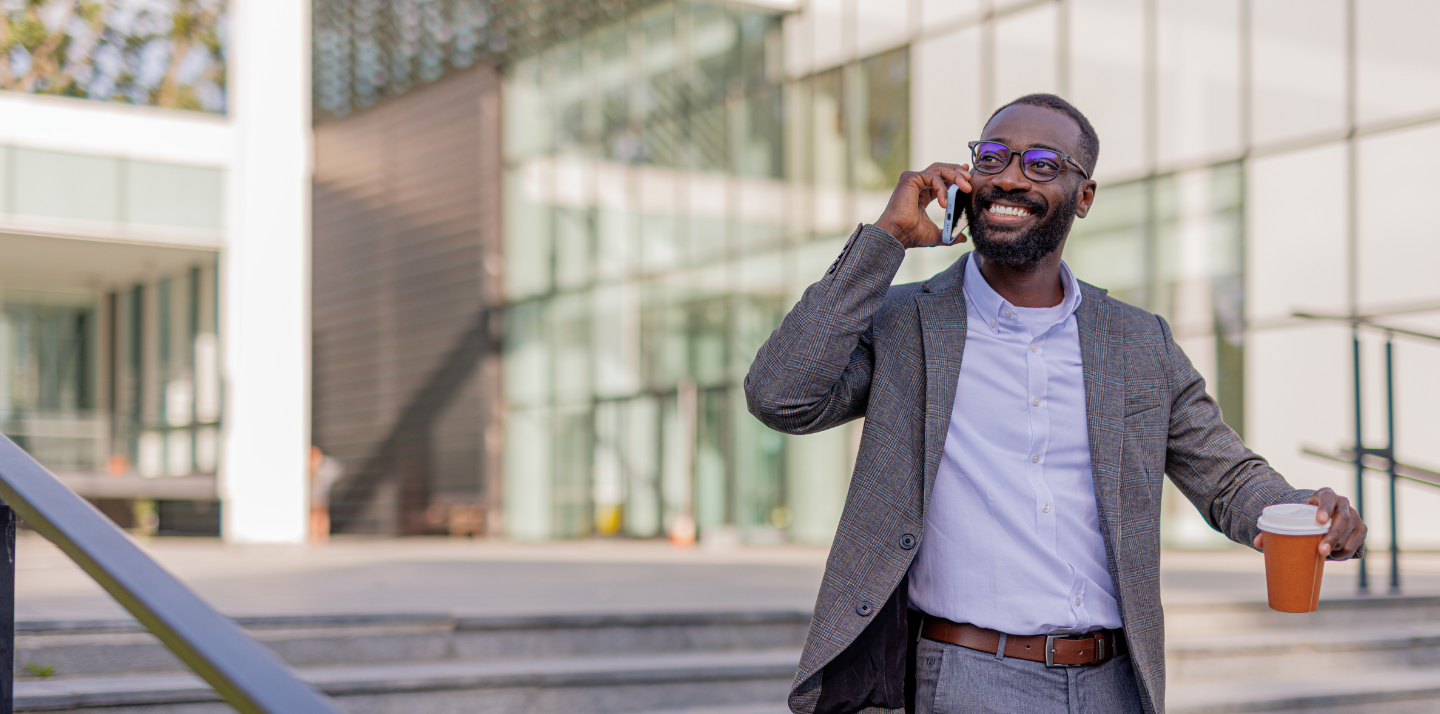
(265, 290)
(1270, 89)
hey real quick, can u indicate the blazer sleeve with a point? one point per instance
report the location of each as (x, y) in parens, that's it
(1228, 483)
(814, 371)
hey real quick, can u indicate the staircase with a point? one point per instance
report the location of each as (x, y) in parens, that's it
(725, 663)
(1376, 655)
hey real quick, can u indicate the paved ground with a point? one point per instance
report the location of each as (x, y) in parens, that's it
(362, 575)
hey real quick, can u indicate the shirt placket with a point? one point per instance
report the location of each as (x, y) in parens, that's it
(1038, 407)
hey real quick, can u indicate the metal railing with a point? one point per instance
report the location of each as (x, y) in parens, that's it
(245, 674)
(1384, 458)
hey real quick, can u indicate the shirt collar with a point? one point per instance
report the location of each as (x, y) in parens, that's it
(991, 307)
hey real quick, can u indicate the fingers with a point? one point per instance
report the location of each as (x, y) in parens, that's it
(1325, 499)
(1259, 541)
(933, 187)
(952, 173)
(1344, 522)
(1357, 539)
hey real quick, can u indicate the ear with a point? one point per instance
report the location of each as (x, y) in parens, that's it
(1087, 197)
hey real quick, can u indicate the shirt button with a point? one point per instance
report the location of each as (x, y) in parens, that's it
(1034, 458)
(1008, 313)
(1034, 347)
(1077, 601)
(1045, 508)
(1035, 401)
(992, 323)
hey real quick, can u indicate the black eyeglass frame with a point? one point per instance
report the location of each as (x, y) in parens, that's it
(975, 161)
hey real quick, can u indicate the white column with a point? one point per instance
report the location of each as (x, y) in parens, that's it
(265, 279)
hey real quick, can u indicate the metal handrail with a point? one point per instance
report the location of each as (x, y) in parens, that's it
(244, 673)
(1360, 455)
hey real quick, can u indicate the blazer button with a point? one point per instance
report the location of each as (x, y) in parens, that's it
(907, 541)
(864, 609)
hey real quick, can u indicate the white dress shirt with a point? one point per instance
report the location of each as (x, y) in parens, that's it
(1012, 536)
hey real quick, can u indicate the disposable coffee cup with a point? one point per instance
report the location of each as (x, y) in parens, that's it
(1293, 564)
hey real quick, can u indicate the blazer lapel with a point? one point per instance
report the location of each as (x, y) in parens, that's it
(942, 327)
(1102, 352)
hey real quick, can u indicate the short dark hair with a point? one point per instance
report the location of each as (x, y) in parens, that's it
(1089, 149)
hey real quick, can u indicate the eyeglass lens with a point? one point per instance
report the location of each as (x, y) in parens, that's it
(1038, 164)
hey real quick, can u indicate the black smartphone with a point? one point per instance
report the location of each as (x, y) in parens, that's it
(956, 220)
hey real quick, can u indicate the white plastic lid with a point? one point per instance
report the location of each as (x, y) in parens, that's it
(1292, 519)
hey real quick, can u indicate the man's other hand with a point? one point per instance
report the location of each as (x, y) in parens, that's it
(1347, 531)
(904, 217)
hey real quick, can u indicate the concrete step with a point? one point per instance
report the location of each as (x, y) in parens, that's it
(1212, 619)
(123, 647)
(1285, 653)
(1403, 692)
(748, 682)
(778, 708)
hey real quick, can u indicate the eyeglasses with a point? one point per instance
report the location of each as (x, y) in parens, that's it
(1041, 165)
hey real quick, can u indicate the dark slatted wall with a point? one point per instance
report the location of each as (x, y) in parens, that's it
(405, 269)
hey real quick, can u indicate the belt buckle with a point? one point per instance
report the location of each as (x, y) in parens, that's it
(1050, 652)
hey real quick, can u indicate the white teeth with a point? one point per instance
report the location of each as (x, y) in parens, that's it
(1008, 210)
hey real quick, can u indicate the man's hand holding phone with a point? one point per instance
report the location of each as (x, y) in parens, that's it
(904, 217)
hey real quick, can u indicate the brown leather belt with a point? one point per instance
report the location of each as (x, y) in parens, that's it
(1053, 650)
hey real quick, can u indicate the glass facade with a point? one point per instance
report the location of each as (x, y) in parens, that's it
(169, 54)
(676, 179)
(365, 50)
(669, 193)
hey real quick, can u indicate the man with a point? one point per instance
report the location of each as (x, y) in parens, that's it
(1005, 503)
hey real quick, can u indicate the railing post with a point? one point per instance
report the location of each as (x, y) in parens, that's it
(7, 612)
(1364, 588)
(1391, 456)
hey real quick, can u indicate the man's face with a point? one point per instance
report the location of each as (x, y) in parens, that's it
(1015, 220)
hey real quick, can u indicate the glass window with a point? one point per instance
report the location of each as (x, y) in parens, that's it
(1390, 240)
(616, 339)
(66, 186)
(1295, 248)
(829, 28)
(882, 127)
(1107, 81)
(829, 153)
(1108, 247)
(527, 355)
(1026, 46)
(936, 12)
(529, 501)
(171, 195)
(640, 459)
(528, 259)
(1399, 59)
(571, 491)
(948, 111)
(1199, 80)
(528, 128)
(1298, 81)
(880, 25)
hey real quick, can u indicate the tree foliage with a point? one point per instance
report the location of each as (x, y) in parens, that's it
(167, 53)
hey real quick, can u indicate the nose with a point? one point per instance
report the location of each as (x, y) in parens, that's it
(1012, 178)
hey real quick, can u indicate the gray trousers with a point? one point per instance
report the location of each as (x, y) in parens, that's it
(950, 679)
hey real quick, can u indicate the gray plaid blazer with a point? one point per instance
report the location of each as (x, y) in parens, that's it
(855, 347)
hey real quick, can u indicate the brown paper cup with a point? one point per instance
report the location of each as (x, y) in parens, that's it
(1293, 567)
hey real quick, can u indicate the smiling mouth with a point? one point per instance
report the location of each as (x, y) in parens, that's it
(1011, 212)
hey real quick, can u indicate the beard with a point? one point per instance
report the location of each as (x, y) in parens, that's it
(1023, 249)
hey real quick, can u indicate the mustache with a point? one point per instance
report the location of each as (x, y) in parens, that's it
(1018, 198)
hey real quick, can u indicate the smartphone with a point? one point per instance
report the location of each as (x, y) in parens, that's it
(955, 218)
